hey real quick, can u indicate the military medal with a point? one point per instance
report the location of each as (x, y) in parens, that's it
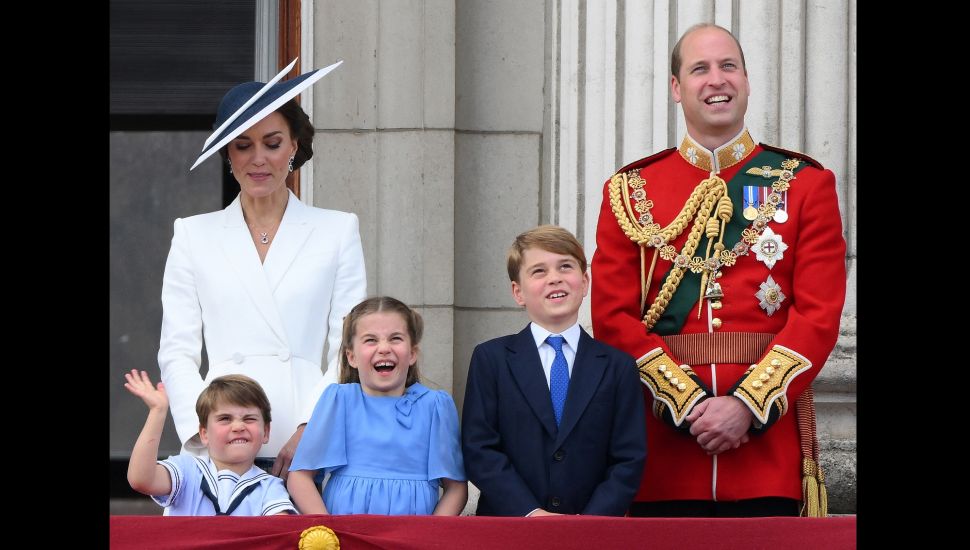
(750, 211)
(781, 215)
(762, 204)
(769, 248)
(770, 296)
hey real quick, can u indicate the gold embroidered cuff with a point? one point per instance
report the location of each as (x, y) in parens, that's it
(669, 383)
(765, 384)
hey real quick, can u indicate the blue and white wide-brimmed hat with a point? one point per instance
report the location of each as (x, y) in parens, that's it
(248, 103)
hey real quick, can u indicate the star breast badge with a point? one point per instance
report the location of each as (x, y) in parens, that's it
(769, 248)
(770, 296)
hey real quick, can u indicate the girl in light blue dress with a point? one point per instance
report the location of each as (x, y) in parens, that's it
(387, 441)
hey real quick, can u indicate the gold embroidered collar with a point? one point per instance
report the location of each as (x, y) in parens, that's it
(725, 156)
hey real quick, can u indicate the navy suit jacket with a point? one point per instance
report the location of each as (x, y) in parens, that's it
(514, 452)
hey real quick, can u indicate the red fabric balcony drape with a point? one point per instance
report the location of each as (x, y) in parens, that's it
(471, 533)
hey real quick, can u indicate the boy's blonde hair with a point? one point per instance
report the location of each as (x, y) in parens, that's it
(378, 304)
(550, 238)
(232, 389)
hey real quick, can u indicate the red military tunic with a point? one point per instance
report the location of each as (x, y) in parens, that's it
(737, 348)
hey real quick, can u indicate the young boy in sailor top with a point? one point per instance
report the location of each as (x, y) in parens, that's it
(234, 421)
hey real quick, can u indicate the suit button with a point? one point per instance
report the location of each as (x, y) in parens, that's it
(555, 502)
(559, 455)
(716, 323)
(237, 357)
(283, 354)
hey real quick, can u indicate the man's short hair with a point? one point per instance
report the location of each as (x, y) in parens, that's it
(550, 238)
(675, 59)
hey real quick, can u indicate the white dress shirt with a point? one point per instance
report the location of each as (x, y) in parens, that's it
(547, 353)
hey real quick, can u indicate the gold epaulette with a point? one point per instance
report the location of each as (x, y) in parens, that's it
(638, 164)
(765, 384)
(620, 200)
(796, 154)
(672, 384)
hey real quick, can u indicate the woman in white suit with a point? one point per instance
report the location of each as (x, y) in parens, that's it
(265, 282)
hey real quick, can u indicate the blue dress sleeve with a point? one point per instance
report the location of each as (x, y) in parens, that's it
(444, 456)
(324, 441)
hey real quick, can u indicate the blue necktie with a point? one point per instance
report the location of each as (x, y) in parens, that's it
(558, 377)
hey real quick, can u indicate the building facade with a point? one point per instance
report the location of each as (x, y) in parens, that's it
(454, 125)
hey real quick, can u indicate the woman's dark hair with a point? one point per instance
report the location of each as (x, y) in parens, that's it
(301, 129)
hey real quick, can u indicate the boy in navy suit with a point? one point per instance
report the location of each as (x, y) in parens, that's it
(553, 420)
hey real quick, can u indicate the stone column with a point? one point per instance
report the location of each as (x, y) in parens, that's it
(498, 116)
(384, 149)
(609, 64)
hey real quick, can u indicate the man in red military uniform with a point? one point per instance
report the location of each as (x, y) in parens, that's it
(720, 266)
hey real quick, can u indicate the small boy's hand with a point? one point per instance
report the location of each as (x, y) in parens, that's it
(141, 385)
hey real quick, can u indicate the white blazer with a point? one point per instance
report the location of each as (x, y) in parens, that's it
(267, 321)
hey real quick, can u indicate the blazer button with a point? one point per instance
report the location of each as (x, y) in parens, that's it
(238, 357)
(283, 354)
(559, 455)
(555, 501)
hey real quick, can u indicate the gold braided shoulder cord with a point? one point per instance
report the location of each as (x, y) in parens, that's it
(649, 232)
(701, 202)
(698, 207)
(716, 188)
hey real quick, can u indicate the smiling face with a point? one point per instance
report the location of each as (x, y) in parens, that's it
(234, 434)
(382, 353)
(712, 86)
(260, 156)
(551, 286)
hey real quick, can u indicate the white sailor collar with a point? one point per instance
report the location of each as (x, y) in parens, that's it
(225, 485)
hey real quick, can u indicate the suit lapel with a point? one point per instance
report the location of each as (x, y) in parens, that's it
(526, 367)
(241, 255)
(289, 240)
(588, 369)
